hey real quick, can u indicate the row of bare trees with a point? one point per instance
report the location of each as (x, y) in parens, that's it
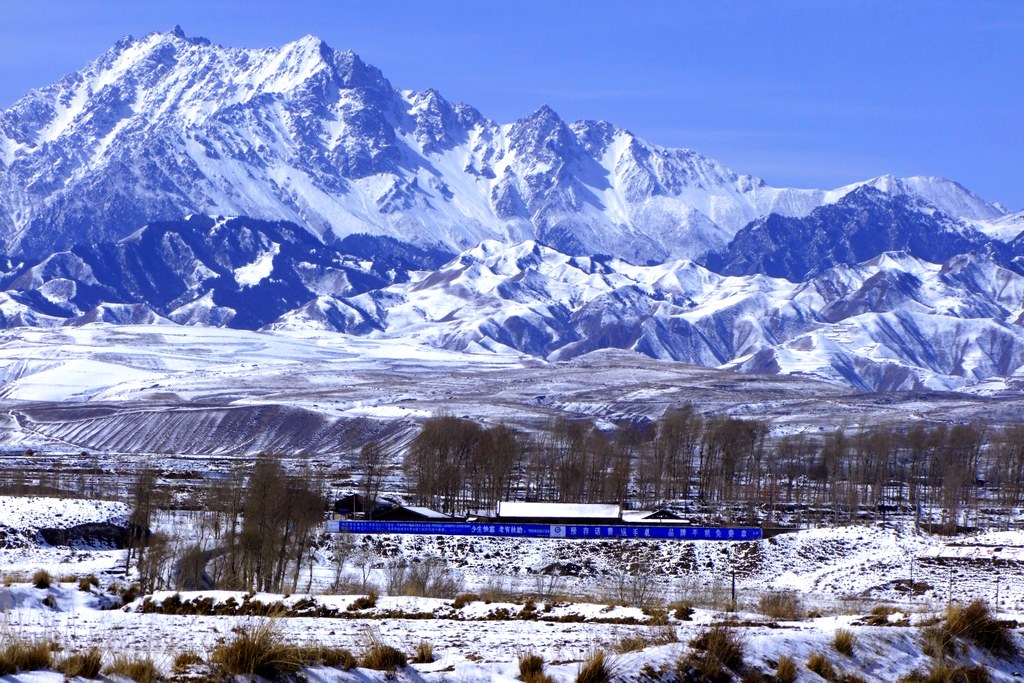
(941, 473)
(457, 465)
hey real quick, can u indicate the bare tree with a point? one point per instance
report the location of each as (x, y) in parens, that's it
(373, 466)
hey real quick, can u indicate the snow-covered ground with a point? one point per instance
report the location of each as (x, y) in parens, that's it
(206, 391)
(839, 574)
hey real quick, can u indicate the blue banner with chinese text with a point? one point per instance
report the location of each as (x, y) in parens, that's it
(567, 531)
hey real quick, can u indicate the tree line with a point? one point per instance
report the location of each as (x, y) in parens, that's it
(940, 473)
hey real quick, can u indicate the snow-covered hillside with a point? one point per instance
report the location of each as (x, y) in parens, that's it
(120, 389)
(892, 323)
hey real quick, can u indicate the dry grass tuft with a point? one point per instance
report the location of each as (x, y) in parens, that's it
(717, 652)
(722, 645)
(938, 642)
(136, 668)
(87, 583)
(380, 656)
(785, 670)
(819, 664)
(850, 677)
(976, 623)
(42, 579)
(328, 656)
(843, 641)
(631, 643)
(424, 653)
(942, 671)
(531, 669)
(596, 668)
(641, 639)
(86, 664)
(258, 648)
(19, 654)
(366, 602)
(783, 605)
(880, 615)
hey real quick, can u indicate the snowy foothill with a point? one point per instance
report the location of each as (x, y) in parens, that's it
(562, 600)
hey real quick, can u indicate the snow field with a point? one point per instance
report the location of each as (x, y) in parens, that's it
(841, 572)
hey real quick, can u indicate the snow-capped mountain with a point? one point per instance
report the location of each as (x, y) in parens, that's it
(365, 209)
(863, 224)
(166, 125)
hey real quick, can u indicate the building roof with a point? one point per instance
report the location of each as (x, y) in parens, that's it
(559, 510)
(427, 512)
(648, 517)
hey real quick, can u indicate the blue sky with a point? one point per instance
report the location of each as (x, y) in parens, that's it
(811, 93)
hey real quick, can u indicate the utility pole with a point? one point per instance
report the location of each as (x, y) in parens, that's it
(734, 589)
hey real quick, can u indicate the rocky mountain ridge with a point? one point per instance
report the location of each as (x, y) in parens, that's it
(165, 125)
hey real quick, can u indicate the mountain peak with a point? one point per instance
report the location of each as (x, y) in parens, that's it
(179, 33)
(350, 68)
(544, 113)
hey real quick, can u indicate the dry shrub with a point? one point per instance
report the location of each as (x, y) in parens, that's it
(258, 648)
(463, 599)
(785, 670)
(531, 669)
(87, 583)
(596, 668)
(19, 654)
(431, 578)
(42, 579)
(819, 664)
(366, 602)
(717, 650)
(843, 641)
(134, 667)
(942, 671)
(380, 656)
(784, 605)
(424, 653)
(87, 664)
(976, 623)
